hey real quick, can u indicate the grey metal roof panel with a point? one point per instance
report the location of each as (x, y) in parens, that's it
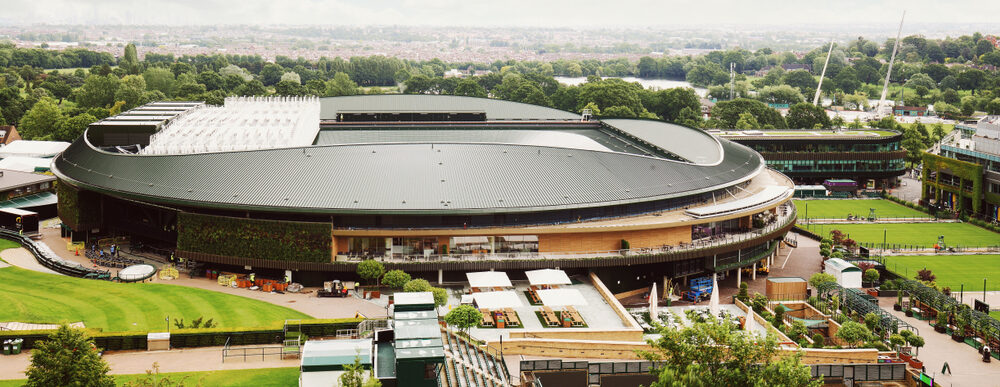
(495, 109)
(691, 144)
(402, 178)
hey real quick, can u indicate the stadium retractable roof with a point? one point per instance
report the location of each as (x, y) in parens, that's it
(420, 176)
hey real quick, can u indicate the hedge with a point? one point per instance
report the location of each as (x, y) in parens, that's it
(202, 337)
(255, 238)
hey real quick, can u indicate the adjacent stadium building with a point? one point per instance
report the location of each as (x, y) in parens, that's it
(874, 158)
(429, 184)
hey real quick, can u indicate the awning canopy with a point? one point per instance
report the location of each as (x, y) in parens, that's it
(561, 297)
(497, 300)
(488, 279)
(34, 200)
(547, 277)
(766, 196)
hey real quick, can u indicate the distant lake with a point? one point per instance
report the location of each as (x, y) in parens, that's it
(645, 82)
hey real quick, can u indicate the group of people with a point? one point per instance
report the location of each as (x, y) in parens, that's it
(99, 251)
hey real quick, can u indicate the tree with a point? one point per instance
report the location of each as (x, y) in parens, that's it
(98, 91)
(158, 78)
(440, 296)
(43, 119)
(801, 79)
(131, 89)
(396, 279)
(707, 74)
(291, 76)
(67, 358)
(130, 61)
(252, 88)
(853, 333)
(341, 84)
(817, 280)
(470, 88)
(925, 275)
(417, 285)
(288, 87)
(271, 74)
(718, 354)
(237, 71)
(729, 113)
(464, 317)
(871, 275)
(747, 121)
(779, 316)
(611, 92)
(807, 116)
(355, 375)
(73, 127)
(370, 270)
(780, 94)
(915, 341)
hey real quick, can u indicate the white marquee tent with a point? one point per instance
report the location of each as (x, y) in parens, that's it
(488, 279)
(497, 300)
(561, 297)
(547, 277)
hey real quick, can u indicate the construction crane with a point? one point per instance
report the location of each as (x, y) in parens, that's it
(822, 75)
(880, 108)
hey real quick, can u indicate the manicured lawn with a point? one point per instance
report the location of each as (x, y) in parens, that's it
(263, 377)
(922, 234)
(29, 296)
(839, 208)
(952, 271)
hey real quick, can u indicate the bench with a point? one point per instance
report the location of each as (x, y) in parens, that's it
(487, 317)
(511, 316)
(549, 316)
(575, 316)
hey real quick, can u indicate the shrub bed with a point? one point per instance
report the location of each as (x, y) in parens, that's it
(185, 338)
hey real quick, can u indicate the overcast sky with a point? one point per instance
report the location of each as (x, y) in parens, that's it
(525, 13)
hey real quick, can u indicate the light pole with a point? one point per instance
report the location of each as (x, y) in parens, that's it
(168, 323)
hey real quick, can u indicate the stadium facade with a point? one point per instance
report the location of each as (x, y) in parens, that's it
(425, 183)
(875, 159)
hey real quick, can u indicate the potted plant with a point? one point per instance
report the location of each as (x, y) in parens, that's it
(942, 322)
(897, 341)
(916, 342)
(904, 353)
(899, 302)
(958, 334)
(909, 307)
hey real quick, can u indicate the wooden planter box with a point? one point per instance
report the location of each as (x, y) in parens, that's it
(917, 364)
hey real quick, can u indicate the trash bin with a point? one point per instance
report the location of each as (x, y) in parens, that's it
(15, 346)
(6, 347)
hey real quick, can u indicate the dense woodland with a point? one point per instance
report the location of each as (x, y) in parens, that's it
(52, 94)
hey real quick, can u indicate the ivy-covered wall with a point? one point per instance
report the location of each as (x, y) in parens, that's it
(254, 238)
(78, 209)
(962, 169)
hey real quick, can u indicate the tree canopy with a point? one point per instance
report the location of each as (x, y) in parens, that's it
(719, 354)
(67, 358)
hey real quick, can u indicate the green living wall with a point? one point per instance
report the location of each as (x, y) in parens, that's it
(962, 169)
(78, 209)
(255, 238)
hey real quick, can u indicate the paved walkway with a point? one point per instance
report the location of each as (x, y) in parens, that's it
(965, 362)
(22, 258)
(306, 302)
(177, 360)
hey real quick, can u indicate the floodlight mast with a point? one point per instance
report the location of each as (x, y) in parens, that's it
(823, 75)
(892, 59)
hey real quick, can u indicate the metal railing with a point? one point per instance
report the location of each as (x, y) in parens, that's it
(786, 215)
(250, 352)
